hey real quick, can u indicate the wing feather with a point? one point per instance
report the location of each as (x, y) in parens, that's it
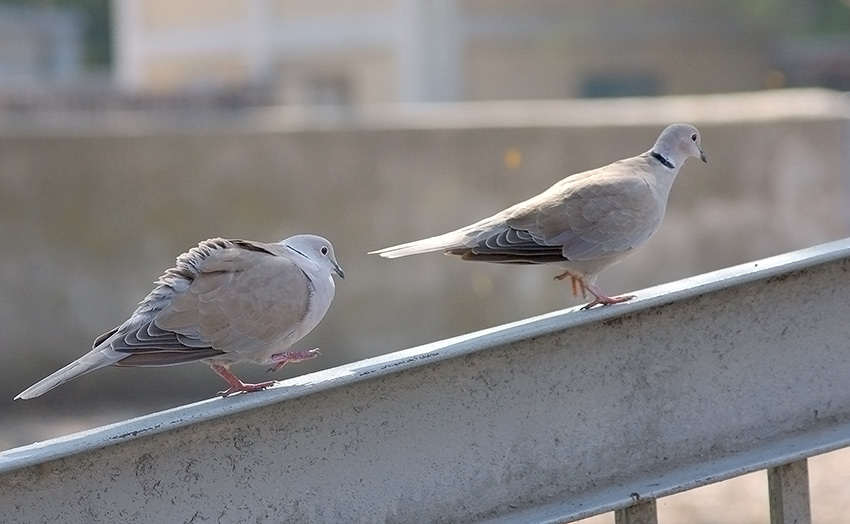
(588, 216)
(222, 297)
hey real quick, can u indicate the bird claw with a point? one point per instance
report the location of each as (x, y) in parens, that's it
(607, 301)
(236, 385)
(282, 359)
(577, 283)
(245, 388)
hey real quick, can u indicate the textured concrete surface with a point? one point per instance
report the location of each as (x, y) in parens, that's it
(743, 366)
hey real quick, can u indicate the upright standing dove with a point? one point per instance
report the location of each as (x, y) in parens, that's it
(225, 301)
(583, 224)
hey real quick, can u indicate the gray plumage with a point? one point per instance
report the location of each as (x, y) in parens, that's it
(224, 301)
(583, 224)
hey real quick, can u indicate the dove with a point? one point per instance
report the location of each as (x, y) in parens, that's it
(583, 224)
(224, 301)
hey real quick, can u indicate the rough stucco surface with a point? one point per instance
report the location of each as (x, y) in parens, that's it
(532, 420)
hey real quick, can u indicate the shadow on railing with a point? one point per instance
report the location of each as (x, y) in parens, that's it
(551, 419)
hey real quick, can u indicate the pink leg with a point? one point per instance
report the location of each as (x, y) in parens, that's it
(282, 359)
(236, 385)
(580, 283)
(577, 282)
(599, 297)
(602, 298)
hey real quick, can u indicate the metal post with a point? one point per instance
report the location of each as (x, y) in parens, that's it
(788, 486)
(643, 513)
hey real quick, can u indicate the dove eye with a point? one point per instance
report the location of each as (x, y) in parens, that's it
(324, 250)
(694, 137)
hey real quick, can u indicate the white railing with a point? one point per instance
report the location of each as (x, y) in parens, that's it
(551, 419)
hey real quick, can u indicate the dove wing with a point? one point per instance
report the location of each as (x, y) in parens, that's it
(591, 215)
(243, 298)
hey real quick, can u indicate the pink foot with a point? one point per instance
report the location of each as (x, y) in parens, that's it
(607, 301)
(245, 388)
(579, 283)
(236, 385)
(282, 359)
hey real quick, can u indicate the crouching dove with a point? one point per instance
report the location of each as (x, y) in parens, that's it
(582, 224)
(225, 301)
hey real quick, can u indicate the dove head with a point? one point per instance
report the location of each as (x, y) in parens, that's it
(676, 144)
(317, 250)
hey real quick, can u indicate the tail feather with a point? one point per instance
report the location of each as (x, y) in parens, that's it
(95, 359)
(428, 245)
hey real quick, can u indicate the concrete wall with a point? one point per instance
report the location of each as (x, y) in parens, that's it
(92, 213)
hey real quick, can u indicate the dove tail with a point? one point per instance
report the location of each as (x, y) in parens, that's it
(439, 243)
(96, 359)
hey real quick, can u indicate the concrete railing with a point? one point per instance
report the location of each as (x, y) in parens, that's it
(550, 419)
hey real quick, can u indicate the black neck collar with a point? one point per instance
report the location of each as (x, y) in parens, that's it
(300, 253)
(664, 162)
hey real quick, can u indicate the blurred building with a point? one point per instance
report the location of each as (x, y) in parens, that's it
(40, 46)
(340, 52)
(822, 61)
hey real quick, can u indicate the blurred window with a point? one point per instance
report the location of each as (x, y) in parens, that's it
(610, 85)
(329, 90)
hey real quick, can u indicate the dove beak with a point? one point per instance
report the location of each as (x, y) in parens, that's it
(338, 270)
(702, 156)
